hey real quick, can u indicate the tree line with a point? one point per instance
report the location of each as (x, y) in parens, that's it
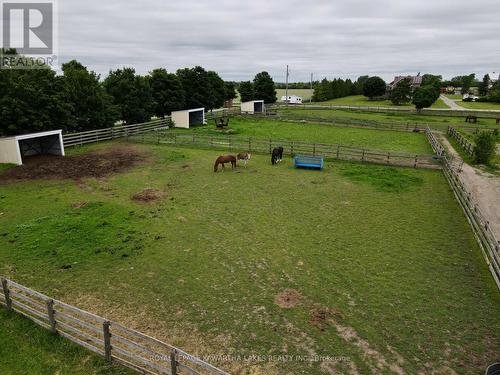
(337, 88)
(34, 100)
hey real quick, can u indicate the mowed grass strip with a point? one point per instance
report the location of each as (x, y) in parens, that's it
(321, 133)
(383, 256)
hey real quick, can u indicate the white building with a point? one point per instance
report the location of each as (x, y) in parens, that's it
(292, 99)
(14, 149)
(253, 106)
(188, 117)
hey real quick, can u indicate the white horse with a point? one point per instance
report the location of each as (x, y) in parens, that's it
(245, 157)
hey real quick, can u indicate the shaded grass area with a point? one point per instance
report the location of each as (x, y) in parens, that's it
(440, 122)
(386, 252)
(29, 349)
(356, 137)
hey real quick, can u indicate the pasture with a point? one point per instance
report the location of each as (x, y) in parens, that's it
(434, 121)
(373, 264)
(306, 94)
(363, 101)
(322, 133)
(479, 105)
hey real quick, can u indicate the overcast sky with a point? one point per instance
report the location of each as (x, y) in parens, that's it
(332, 38)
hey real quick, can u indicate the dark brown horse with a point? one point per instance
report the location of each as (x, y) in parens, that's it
(223, 160)
(498, 120)
(471, 118)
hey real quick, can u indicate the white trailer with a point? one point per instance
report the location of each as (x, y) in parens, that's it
(14, 149)
(292, 99)
(188, 117)
(253, 106)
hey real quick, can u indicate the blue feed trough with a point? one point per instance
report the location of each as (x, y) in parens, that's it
(315, 162)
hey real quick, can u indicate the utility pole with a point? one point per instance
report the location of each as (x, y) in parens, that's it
(286, 87)
(310, 100)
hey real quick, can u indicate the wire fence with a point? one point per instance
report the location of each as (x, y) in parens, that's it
(109, 339)
(490, 246)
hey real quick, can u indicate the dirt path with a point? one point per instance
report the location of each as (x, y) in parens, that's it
(484, 187)
(451, 103)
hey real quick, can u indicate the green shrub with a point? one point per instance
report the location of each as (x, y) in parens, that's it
(485, 147)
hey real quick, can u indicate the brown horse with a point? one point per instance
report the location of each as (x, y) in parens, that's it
(223, 160)
(498, 120)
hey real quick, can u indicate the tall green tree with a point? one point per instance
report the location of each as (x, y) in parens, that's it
(32, 100)
(467, 82)
(432, 80)
(402, 92)
(263, 86)
(246, 91)
(91, 106)
(167, 92)
(484, 86)
(195, 84)
(229, 91)
(131, 93)
(494, 94)
(216, 91)
(322, 91)
(425, 96)
(374, 87)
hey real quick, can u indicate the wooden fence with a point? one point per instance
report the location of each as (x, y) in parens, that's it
(489, 244)
(466, 145)
(107, 134)
(426, 111)
(92, 136)
(115, 342)
(265, 146)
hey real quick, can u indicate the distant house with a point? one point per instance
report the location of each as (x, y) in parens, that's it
(292, 99)
(415, 82)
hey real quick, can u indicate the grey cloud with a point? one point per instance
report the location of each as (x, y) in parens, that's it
(330, 38)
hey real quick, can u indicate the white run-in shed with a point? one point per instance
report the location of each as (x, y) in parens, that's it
(15, 149)
(188, 117)
(253, 106)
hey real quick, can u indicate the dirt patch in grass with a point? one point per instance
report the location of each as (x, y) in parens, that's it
(79, 204)
(92, 164)
(148, 195)
(287, 298)
(319, 316)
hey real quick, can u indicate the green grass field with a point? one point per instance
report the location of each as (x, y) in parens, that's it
(454, 96)
(479, 105)
(435, 121)
(306, 94)
(281, 130)
(30, 350)
(363, 101)
(382, 263)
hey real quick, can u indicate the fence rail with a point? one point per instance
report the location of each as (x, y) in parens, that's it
(490, 246)
(111, 340)
(256, 145)
(426, 111)
(92, 136)
(466, 145)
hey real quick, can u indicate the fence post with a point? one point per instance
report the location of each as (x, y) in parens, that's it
(107, 340)
(338, 151)
(50, 315)
(388, 157)
(249, 144)
(173, 362)
(270, 146)
(416, 160)
(6, 293)
(314, 149)
(363, 156)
